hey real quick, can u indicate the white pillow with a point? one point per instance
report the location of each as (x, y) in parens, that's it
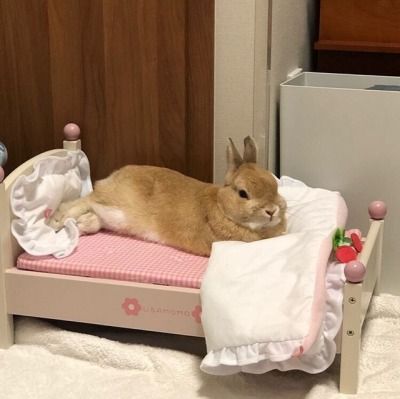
(54, 179)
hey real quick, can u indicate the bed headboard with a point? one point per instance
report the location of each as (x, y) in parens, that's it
(9, 248)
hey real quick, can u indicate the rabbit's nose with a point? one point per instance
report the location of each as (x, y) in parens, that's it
(272, 212)
(269, 213)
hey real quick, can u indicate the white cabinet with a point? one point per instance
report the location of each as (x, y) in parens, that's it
(342, 132)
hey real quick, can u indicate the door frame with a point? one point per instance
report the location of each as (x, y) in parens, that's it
(241, 75)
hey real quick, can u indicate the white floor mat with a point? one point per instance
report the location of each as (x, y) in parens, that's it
(78, 361)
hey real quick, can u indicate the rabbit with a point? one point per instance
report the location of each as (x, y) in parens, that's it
(167, 207)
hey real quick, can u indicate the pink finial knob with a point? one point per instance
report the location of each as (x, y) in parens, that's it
(72, 131)
(1, 174)
(355, 271)
(377, 210)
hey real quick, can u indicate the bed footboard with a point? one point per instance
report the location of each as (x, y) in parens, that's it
(363, 277)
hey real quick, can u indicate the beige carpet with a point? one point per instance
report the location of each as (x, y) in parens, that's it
(64, 360)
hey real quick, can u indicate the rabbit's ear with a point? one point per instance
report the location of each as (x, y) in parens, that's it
(234, 160)
(250, 150)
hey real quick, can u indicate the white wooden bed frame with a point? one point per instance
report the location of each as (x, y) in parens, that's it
(162, 308)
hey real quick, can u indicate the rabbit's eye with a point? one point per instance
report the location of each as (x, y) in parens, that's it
(243, 194)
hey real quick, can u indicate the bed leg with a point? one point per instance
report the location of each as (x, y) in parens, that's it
(351, 338)
(6, 331)
(6, 320)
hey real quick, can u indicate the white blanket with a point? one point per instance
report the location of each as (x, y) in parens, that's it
(265, 303)
(34, 197)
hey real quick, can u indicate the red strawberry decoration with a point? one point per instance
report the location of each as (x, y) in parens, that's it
(345, 254)
(357, 244)
(347, 248)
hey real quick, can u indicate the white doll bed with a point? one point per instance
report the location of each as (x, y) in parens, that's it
(168, 309)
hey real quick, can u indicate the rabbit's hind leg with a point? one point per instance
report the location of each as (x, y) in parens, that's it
(88, 223)
(73, 209)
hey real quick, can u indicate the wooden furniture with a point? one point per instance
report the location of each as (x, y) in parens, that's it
(101, 301)
(359, 36)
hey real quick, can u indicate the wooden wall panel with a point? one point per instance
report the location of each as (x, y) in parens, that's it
(199, 78)
(171, 72)
(28, 127)
(136, 75)
(78, 74)
(66, 52)
(130, 41)
(94, 104)
(9, 114)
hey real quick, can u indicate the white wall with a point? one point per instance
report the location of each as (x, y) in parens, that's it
(240, 92)
(292, 37)
(257, 42)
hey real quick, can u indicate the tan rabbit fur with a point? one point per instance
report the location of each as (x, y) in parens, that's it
(164, 206)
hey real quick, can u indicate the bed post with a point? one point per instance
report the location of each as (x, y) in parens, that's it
(377, 212)
(6, 320)
(351, 336)
(362, 280)
(71, 134)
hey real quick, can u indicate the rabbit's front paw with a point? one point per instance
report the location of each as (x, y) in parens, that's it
(56, 220)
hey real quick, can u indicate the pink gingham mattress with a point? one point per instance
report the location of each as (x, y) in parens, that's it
(108, 255)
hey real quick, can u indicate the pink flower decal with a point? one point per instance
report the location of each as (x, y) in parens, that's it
(131, 306)
(196, 314)
(47, 213)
